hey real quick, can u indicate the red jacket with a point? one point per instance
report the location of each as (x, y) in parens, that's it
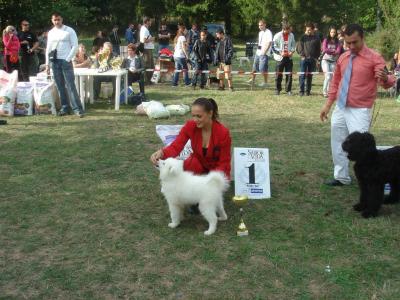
(218, 157)
(11, 46)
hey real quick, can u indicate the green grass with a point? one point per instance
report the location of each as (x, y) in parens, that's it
(82, 215)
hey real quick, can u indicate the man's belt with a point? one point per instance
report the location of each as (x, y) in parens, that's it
(259, 47)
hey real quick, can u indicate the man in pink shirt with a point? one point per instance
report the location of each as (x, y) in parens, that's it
(354, 86)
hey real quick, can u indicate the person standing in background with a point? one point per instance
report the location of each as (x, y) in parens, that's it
(180, 57)
(11, 49)
(130, 34)
(202, 56)
(29, 44)
(193, 36)
(285, 46)
(115, 40)
(331, 49)
(62, 45)
(148, 44)
(41, 50)
(309, 49)
(163, 37)
(260, 64)
(223, 59)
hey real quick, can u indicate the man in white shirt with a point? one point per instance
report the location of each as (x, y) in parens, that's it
(62, 45)
(148, 42)
(260, 64)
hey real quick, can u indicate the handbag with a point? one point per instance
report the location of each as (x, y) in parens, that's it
(14, 58)
(53, 53)
(140, 48)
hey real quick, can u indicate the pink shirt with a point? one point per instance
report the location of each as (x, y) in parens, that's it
(11, 46)
(363, 84)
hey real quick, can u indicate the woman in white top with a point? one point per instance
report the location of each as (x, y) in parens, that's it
(331, 49)
(180, 57)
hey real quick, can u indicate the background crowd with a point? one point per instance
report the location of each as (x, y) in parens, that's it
(192, 50)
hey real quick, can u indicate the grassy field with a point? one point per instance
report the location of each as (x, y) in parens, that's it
(82, 215)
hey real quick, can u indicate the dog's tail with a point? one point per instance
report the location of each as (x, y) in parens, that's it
(219, 180)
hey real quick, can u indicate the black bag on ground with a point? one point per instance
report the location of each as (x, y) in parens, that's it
(136, 99)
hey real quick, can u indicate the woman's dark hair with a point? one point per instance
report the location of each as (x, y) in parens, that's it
(328, 36)
(179, 32)
(208, 105)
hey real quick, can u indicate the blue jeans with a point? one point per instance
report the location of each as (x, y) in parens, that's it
(65, 81)
(260, 63)
(198, 68)
(306, 65)
(181, 64)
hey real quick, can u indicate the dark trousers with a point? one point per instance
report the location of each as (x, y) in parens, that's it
(29, 66)
(148, 64)
(285, 65)
(307, 65)
(9, 66)
(198, 68)
(136, 77)
(97, 85)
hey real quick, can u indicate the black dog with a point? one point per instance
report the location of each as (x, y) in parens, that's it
(373, 168)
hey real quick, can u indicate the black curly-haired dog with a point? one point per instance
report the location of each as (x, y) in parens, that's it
(373, 168)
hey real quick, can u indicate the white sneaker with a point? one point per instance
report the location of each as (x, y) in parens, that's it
(263, 85)
(250, 81)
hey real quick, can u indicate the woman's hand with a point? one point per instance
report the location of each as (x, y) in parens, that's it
(156, 156)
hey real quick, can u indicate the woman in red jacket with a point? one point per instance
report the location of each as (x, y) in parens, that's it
(11, 49)
(210, 140)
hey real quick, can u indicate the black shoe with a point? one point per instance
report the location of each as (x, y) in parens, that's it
(277, 93)
(301, 94)
(308, 93)
(333, 182)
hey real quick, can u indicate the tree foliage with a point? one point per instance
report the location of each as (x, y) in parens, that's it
(240, 16)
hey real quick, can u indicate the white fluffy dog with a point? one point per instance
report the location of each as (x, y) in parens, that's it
(182, 188)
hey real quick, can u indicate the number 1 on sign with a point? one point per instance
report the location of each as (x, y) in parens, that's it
(252, 173)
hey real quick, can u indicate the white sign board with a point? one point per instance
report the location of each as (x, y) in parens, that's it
(252, 173)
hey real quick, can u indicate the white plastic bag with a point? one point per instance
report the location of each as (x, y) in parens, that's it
(156, 110)
(8, 84)
(44, 98)
(168, 134)
(24, 103)
(178, 109)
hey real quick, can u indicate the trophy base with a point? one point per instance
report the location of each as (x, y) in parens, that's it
(242, 233)
(242, 229)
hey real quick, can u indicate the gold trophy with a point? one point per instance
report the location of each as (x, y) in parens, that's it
(241, 201)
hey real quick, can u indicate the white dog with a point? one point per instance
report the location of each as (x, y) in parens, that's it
(182, 188)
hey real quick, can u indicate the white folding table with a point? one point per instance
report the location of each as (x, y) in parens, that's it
(85, 89)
